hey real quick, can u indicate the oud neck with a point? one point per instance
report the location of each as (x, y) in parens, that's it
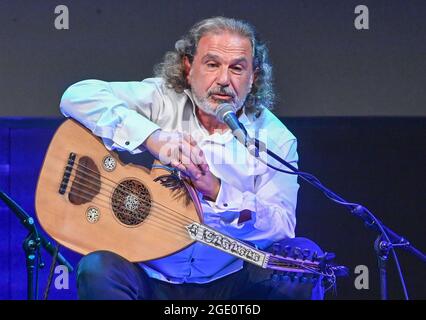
(204, 234)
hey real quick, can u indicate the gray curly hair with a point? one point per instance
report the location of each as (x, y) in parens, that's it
(173, 71)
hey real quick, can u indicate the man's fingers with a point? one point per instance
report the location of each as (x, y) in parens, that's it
(193, 152)
(186, 156)
(198, 156)
(190, 169)
(189, 139)
(205, 168)
(176, 164)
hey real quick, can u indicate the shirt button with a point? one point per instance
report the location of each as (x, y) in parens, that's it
(225, 204)
(127, 143)
(192, 260)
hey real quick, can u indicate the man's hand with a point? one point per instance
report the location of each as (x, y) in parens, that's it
(181, 151)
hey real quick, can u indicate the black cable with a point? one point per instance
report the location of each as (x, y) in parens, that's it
(52, 268)
(337, 199)
(36, 262)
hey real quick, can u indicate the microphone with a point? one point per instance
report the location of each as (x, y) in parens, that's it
(225, 113)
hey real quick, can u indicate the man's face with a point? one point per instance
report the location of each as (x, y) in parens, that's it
(222, 71)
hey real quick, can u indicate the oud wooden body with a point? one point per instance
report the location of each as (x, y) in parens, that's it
(159, 235)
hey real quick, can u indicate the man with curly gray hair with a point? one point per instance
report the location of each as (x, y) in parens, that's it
(172, 69)
(173, 116)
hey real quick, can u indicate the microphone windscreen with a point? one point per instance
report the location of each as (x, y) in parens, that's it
(223, 109)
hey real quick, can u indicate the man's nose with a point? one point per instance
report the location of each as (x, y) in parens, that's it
(223, 77)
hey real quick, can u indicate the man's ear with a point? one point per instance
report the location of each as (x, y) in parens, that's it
(253, 79)
(254, 76)
(187, 66)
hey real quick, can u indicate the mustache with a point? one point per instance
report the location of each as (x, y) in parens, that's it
(222, 91)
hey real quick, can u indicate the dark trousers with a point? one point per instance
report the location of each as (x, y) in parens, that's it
(108, 276)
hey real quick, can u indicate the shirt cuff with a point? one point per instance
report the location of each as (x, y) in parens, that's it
(133, 131)
(228, 198)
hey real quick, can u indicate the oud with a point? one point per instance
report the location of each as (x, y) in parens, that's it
(88, 199)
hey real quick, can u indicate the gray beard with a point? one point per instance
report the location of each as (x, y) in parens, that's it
(205, 106)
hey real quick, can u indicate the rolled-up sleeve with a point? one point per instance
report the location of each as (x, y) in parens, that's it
(123, 114)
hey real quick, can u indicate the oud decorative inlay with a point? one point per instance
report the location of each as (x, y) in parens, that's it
(131, 202)
(109, 163)
(92, 214)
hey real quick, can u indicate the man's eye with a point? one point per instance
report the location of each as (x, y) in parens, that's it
(211, 65)
(237, 69)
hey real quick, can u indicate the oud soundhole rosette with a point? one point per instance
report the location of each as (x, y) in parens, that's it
(131, 202)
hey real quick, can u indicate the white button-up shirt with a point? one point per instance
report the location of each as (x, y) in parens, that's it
(124, 114)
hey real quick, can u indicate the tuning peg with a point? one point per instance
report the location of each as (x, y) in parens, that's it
(295, 278)
(275, 277)
(276, 248)
(285, 277)
(340, 271)
(327, 257)
(306, 253)
(287, 250)
(297, 252)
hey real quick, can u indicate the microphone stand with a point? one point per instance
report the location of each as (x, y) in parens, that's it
(387, 239)
(31, 246)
